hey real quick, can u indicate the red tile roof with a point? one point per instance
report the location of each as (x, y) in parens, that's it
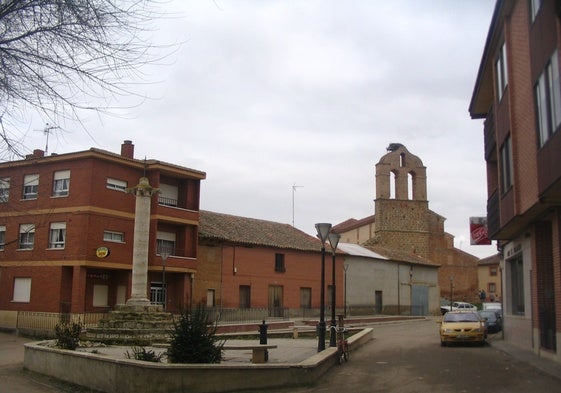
(254, 232)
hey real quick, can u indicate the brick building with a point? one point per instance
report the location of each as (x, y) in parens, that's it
(489, 276)
(404, 222)
(251, 263)
(66, 231)
(518, 93)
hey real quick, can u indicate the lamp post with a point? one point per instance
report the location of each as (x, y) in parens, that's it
(164, 254)
(322, 230)
(451, 291)
(333, 241)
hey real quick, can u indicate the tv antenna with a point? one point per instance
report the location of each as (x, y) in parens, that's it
(47, 130)
(294, 187)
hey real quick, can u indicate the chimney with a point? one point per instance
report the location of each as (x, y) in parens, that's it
(37, 153)
(127, 149)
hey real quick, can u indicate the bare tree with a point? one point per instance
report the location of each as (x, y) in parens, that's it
(59, 57)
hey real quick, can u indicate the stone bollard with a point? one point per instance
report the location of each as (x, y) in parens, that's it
(295, 332)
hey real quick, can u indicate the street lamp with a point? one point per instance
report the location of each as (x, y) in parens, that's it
(451, 291)
(164, 254)
(333, 241)
(323, 231)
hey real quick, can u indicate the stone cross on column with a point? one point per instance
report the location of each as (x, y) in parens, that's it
(143, 193)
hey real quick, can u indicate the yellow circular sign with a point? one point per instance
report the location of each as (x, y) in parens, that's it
(102, 252)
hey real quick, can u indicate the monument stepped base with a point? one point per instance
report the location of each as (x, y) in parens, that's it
(137, 325)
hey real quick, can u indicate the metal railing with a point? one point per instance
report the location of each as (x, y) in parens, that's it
(43, 323)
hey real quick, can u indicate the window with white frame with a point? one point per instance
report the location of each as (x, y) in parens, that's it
(168, 195)
(548, 100)
(113, 236)
(2, 237)
(22, 289)
(57, 235)
(506, 165)
(26, 236)
(4, 189)
(30, 186)
(118, 185)
(535, 7)
(501, 72)
(61, 183)
(166, 242)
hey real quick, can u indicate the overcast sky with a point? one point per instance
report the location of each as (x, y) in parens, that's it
(265, 95)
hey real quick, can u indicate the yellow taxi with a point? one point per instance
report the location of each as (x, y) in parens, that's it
(462, 326)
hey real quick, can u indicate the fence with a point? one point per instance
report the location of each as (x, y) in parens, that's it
(43, 323)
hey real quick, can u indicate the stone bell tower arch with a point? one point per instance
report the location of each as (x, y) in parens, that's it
(401, 205)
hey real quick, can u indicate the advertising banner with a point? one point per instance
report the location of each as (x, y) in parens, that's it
(478, 231)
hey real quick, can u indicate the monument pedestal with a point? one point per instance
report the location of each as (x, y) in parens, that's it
(133, 324)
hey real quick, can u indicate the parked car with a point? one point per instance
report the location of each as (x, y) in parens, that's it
(458, 306)
(493, 306)
(462, 326)
(493, 320)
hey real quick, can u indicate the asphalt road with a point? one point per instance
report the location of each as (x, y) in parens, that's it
(407, 358)
(403, 357)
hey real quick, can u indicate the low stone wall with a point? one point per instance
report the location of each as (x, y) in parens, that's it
(126, 375)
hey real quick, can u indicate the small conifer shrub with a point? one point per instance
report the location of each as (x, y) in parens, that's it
(140, 353)
(194, 340)
(68, 335)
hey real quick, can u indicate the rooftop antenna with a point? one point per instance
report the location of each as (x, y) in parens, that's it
(294, 187)
(47, 130)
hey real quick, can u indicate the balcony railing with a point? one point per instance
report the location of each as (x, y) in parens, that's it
(165, 201)
(493, 215)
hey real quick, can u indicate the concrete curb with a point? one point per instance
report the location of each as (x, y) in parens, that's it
(112, 375)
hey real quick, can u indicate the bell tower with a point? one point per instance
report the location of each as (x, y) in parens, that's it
(401, 205)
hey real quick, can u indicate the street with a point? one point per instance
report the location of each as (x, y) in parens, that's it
(407, 357)
(404, 357)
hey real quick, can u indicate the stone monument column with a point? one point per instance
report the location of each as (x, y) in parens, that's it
(143, 193)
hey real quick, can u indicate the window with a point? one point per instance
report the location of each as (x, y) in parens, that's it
(22, 289)
(506, 164)
(492, 270)
(118, 185)
(165, 242)
(492, 287)
(57, 235)
(61, 183)
(4, 189)
(245, 296)
(548, 100)
(279, 263)
(535, 5)
(111, 236)
(26, 236)
(2, 237)
(100, 295)
(168, 195)
(157, 293)
(516, 286)
(501, 72)
(30, 186)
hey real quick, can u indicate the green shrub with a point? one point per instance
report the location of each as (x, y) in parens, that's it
(140, 353)
(68, 335)
(194, 340)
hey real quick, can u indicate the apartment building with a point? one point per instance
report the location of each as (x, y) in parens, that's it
(67, 228)
(518, 94)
